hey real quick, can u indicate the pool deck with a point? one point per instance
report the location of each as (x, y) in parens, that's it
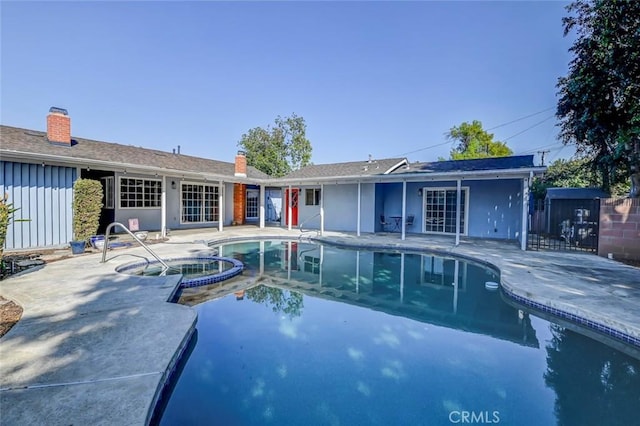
(95, 347)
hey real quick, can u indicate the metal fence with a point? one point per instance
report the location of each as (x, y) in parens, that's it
(564, 224)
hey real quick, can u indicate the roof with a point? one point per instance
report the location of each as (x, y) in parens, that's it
(575, 193)
(354, 168)
(29, 142)
(480, 164)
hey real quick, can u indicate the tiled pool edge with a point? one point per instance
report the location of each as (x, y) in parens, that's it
(236, 269)
(580, 320)
(170, 371)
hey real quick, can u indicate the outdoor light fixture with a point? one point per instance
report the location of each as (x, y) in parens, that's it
(419, 192)
(173, 184)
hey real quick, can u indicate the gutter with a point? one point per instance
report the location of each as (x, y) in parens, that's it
(377, 178)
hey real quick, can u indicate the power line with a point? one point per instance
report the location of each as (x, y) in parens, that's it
(529, 128)
(424, 149)
(558, 145)
(521, 118)
(496, 127)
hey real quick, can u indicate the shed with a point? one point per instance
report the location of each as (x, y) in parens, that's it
(573, 213)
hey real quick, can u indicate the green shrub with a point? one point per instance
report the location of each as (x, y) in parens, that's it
(6, 216)
(87, 204)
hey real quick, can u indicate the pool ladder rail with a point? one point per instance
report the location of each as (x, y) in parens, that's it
(303, 231)
(165, 267)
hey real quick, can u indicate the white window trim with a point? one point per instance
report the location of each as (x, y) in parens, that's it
(313, 200)
(185, 182)
(106, 180)
(246, 201)
(447, 188)
(137, 208)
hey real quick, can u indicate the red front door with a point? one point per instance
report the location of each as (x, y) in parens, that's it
(294, 207)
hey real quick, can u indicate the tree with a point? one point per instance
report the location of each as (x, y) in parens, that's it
(565, 174)
(599, 104)
(475, 142)
(280, 149)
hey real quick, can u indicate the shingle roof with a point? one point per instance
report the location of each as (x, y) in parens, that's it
(576, 193)
(354, 168)
(498, 163)
(13, 139)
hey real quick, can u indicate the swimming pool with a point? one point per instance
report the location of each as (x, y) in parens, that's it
(336, 336)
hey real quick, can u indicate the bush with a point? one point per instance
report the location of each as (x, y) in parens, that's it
(87, 204)
(6, 216)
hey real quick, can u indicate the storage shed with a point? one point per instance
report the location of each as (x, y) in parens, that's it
(573, 214)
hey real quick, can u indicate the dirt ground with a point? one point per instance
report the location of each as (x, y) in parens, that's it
(10, 313)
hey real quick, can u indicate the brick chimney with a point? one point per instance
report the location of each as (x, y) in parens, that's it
(59, 126)
(241, 164)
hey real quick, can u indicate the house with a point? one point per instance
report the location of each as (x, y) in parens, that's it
(162, 190)
(486, 198)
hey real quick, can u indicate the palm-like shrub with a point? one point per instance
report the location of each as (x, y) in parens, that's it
(6, 216)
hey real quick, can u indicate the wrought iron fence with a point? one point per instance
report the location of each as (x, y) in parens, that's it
(564, 224)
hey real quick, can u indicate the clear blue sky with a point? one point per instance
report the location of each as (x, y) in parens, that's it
(379, 78)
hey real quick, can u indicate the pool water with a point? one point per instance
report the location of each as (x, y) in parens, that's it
(190, 268)
(336, 336)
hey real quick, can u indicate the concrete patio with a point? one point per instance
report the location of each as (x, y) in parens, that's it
(95, 346)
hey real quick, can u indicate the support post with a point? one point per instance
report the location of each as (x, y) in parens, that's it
(289, 209)
(322, 209)
(458, 212)
(359, 208)
(221, 207)
(262, 208)
(525, 209)
(163, 208)
(404, 208)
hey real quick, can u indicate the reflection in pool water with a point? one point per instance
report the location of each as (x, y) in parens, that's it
(334, 336)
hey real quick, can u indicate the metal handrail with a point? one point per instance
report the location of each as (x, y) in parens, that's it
(144, 246)
(302, 231)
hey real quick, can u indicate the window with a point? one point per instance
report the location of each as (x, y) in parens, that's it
(251, 207)
(312, 197)
(140, 193)
(108, 189)
(200, 203)
(440, 210)
(311, 264)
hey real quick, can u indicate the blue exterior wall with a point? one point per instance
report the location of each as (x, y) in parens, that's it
(495, 206)
(340, 208)
(43, 195)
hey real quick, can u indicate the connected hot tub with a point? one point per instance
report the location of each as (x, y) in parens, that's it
(196, 271)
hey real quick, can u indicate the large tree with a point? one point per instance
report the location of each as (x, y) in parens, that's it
(475, 142)
(279, 149)
(575, 173)
(599, 105)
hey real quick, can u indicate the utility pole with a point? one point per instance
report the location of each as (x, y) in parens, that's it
(543, 153)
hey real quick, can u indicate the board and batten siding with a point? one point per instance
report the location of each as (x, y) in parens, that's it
(43, 195)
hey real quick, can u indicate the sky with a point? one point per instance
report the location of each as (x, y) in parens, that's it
(386, 79)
